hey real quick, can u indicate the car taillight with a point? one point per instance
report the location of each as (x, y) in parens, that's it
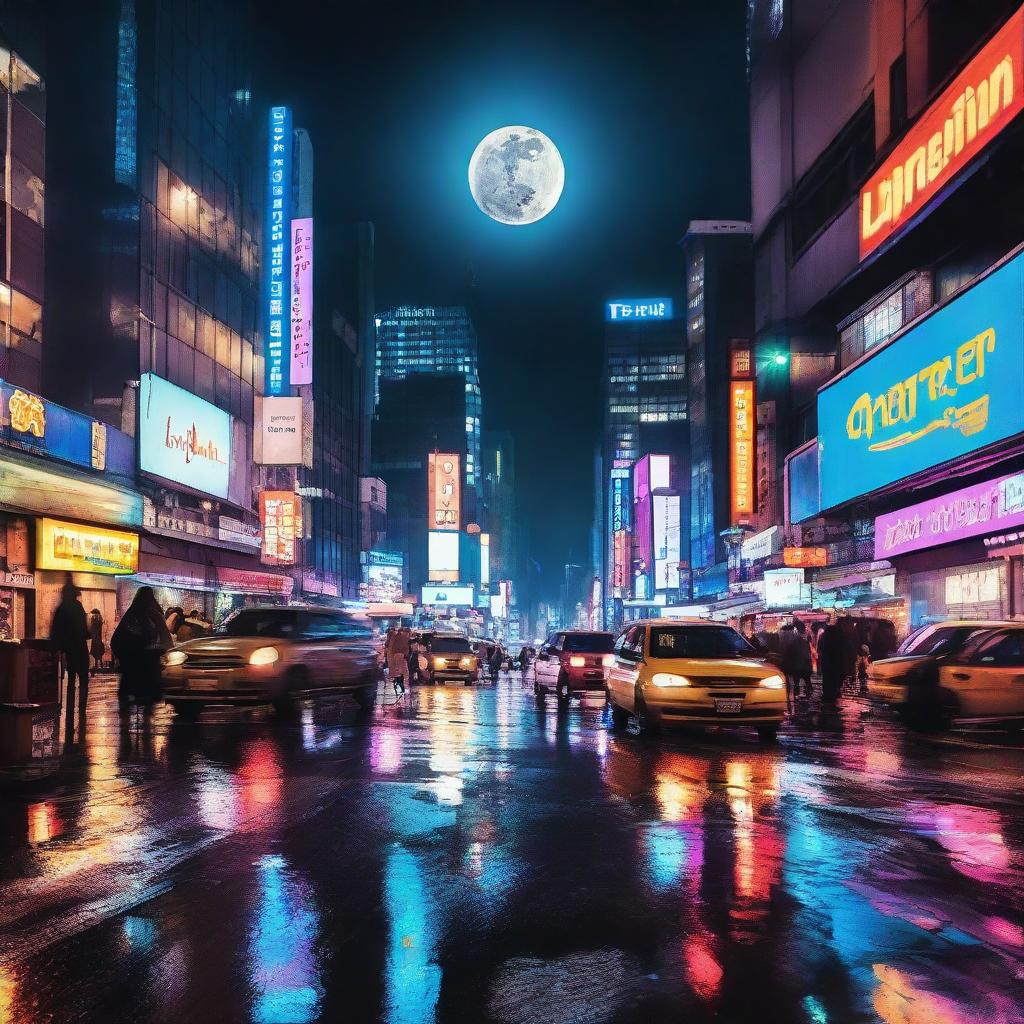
(577, 662)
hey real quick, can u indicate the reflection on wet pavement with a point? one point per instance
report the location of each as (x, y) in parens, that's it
(467, 856)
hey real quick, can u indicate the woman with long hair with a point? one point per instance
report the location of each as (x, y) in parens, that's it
(139, 642)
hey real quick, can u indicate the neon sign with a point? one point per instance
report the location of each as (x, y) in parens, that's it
(978, 104)
(639, 309)
(277, 223)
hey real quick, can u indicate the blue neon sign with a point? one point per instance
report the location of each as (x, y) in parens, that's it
(638, 309)
(277, 336)
(945, 388)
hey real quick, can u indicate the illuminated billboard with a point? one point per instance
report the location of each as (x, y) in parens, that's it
(436, 595)
(991, 507)
(638, 309)
(301, 365)
(442, 557)
(277, 221)
(942, 389)
(742, 431)
(72, 548)
(976, 106)
(277, 440)
(620, 563)
(667, 551)
(444, 491)
(281, 519)
(783, 588)
(802, 484)
(485, 560)
(643, 524)
(804, 558)
(384, 583)
(182, 437)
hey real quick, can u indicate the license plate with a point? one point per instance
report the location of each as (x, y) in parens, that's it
(729, 705)
(203, 682)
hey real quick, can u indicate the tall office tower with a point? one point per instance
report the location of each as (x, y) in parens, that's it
(644, 412)
(435, 340)
(719, 309)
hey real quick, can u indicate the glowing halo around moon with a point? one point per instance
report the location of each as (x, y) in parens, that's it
(516, 175)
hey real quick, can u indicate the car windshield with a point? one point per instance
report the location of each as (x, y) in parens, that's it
(936, 640)
(589, 643)
(699, 642)
(450, 645)
(279, 623)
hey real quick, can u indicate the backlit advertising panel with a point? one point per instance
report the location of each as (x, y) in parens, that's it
(804, 558)
(277, 220)
(976, 106)
(72, 548)
(444, 491)
(742, 430)
(383, 583)
(279, 432)
(783, 588)
(944, 388)
(281, 519)
(442, 557)
(620, 563)
(301, 368)
(643, 523)
(802, 485)
(485, 561)
(638, 309)
(183, 438)
(437, 595)
(992, 507)
(667, 550)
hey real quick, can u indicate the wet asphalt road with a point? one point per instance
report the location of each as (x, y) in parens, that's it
(464, 856)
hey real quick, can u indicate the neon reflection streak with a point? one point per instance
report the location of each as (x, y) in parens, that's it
(385, 750)
(284, 972)
(44, 823)
(412, 980)
(897, 1000)
(972, 836)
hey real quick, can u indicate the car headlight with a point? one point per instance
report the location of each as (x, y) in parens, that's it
(466, 662)
(577, 662)
(439, 663)
(175, 658)
(773, 683)
(669, 679)
(264, 656)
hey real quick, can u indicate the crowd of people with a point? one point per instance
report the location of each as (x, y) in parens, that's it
(144, 634)
(841, 652)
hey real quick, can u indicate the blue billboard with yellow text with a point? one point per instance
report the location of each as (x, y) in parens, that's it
(945, 388)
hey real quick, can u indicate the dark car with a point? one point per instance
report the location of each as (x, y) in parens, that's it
(451, 658)
(909, 682)
(573, 661)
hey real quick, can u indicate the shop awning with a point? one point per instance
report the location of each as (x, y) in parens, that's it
(160, 571)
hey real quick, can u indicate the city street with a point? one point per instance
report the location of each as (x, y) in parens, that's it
(466, 856)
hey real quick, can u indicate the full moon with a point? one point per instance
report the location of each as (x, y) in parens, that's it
(516, 175)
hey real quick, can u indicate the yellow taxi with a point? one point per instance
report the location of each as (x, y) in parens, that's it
(984, 683)
(693, 672)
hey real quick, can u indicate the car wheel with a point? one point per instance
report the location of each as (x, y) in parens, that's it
(767, 733)
(620, 716)
(188, 710)
(645, 724)
(563, 691)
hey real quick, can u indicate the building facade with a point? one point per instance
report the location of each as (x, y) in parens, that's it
(645, 412)
(719, 311)
(885, 145)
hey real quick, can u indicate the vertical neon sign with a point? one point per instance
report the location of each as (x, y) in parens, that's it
(276, 297)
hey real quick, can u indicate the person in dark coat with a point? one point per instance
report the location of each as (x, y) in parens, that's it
(833, 661)
(69, 636)
(97, 648)
(139, 642)
(797, 662)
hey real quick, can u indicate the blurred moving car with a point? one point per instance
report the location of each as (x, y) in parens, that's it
(451, 658)
(573, 661)
(274, 655)
(693, 672)
(908, 682)
(983, 684)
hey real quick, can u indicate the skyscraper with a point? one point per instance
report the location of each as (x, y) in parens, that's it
(644, 413)
(434, 340)
(719, 308)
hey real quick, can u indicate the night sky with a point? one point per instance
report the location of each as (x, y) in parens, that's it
(647, 103)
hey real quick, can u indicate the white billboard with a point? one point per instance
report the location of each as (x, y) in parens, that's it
(667, 547)
(278, 435)
(452, 597)
(442, 556)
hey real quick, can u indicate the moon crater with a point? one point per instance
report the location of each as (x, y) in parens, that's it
(516, 175)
